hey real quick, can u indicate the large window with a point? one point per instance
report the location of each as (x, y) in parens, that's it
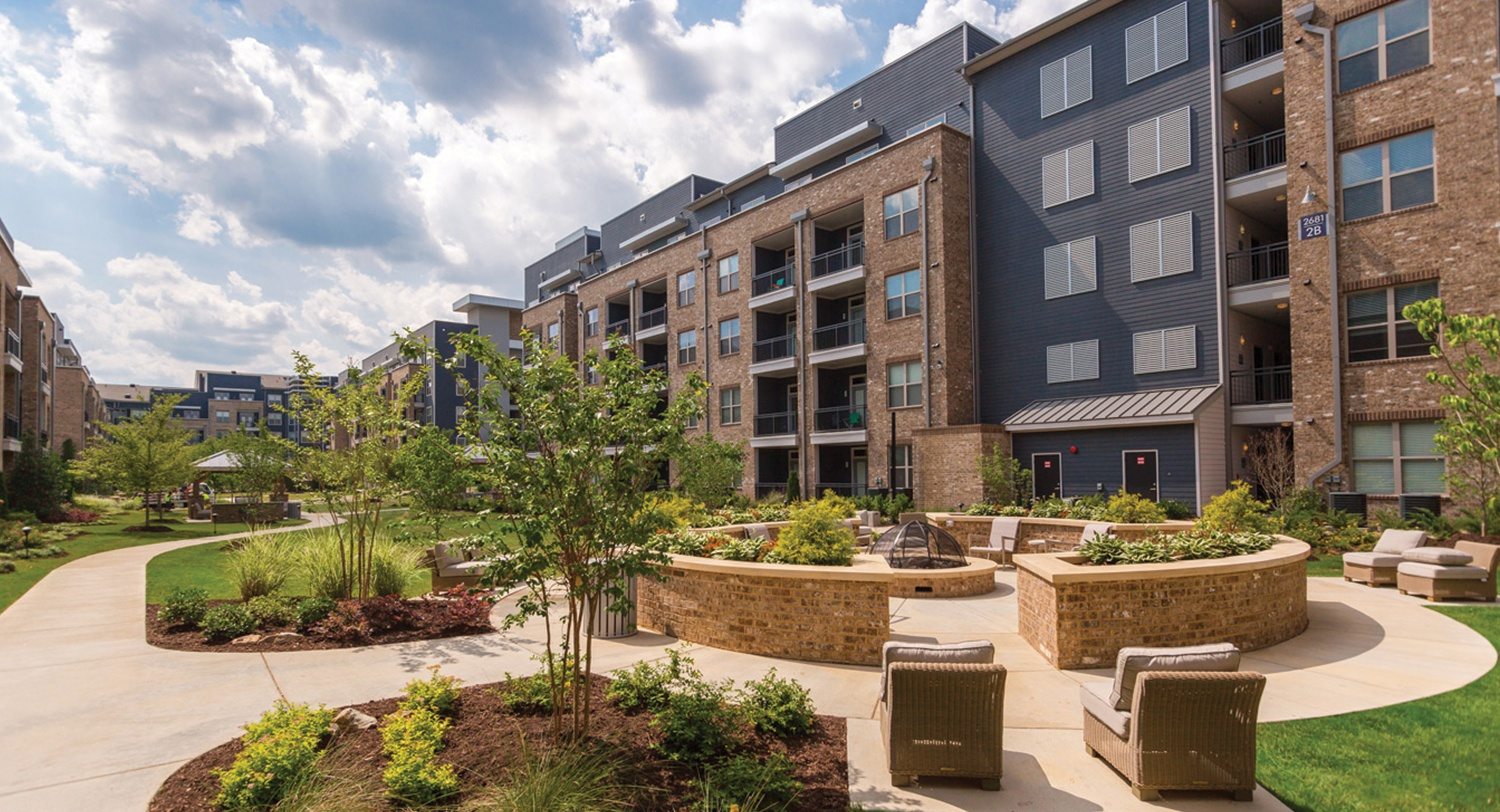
(1160, 145)
(729, 406)
(687, 347)
(1068, 174)
(1156, 44)
(1377, 331)
(729, 274)
(1078, 361)
(1068, 81)
(1070, 268)
(903, 294)
(1165, 350)
(901, 467)
(591, 322)
(554, 332)
(901, 215)
(904, 384)
(221, 417)
(1161, 247)
(729, 336)
(687, 288)
(1383, 43)
(1388, 176)
(1397, 458)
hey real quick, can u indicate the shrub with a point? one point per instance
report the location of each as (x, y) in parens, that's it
(647, 686)
(271, 610)
(184, 606)
(1175, 510)
(312, 611)
(7, 567)
(280, 751)
(387, 613)
(344, 623)
(676, 511)
(226, 622)
(1006, 480)
(467, 609)
(817, 535)
(777, 707)
(745, 783)
(76, 515)
(411, 740)
(574, 779)
(696, 724)
(1188, 545)
(1050, 508)
(690, 542)
(530, 694)
(1132, 508)
(437, 693)
(261, 566)
(1089, 508)
(740, 549)
(1234, 510)
(392, 567)
(843, 506)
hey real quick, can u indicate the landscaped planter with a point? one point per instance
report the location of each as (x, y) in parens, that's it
(974, 531)
(1080, 616)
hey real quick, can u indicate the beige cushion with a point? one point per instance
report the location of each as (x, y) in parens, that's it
(1437, 555)
(1095, 529)
(970, 651)
(1439, 572)
(1003, 532)
(1132, 660)
(445, 556)
(1399, 541)
(1373, 559)
(1095, 697)
(464, 569)
(757, 531)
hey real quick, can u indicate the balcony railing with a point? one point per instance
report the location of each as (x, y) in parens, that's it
(839, 259)
(1255, 154)
(839, 418)
(1264, 385)
(1257, 264)
(1251, 45)
(655, 366)
(652, 318)
(770, 349)
(843, 334)
(12, 427)
(772, 281)
(12, 343)
(620, 327)
(843, 488)
(769, 425)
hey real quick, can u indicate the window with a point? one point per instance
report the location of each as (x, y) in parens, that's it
(458, 414)
(903, 294)
(1397, 458)
(1156, 44)
(928, 124)
(1069, 268)
(792, 184)
(729, 406)
(901, 467)
(1377, 330)
(591, 322)
(752, 203)
(591, 375)
(1161, 247)
(554, 332)
(273, 398)
(687, 347)
(221, 417)
(460, 386)
(460, 360)
(729, 336)
(1078, 361)
(1383, 43)
(1160, 145)
(866, 152)
(1165, 350)
(1389, 176)
(691, 422)
(729, 274)
(901, 215)
(274, 418)
(904, 384)
(1068, 82)
(1068, 175)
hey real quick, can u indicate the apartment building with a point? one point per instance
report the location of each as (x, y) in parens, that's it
(216, 405)
(38, 357)
(77, 408)
(12, 279)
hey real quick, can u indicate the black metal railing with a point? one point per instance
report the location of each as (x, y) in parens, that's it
(655, 366)
(620, 327)
(772, 281)
(842, 258)
(652, 318)
(1264, 385)
(767, 425)
(1257, 264)
(1251, 45)
(770, 349)
(764, 489)
(839, 418)
(843, 334)
(1254, 154)
(843, 488)
(12, 427)
(12, 343)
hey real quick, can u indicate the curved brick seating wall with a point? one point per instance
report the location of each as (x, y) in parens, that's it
(974, 531)
(978, 578)
(821, 614)
(1081, 616)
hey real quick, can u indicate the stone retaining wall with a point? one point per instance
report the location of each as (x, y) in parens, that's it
(974, 531)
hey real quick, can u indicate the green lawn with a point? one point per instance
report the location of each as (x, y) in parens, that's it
(1328, 565)
(1437, 753)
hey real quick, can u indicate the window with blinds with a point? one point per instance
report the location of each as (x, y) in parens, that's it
(1376, 329)
(1070, 268)
(1397, 458)
(1160, 145)
(1068, 82)
(1388, 176)
(1161, 247)
(1078, 361)
(1155, 44)
(1166, 350)
(1068, 174)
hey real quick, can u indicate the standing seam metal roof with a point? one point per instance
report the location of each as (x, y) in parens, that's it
(1158, 403)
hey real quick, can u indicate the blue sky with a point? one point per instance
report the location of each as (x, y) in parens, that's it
(214, 184)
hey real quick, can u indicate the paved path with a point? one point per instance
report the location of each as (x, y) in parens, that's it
(94, 718)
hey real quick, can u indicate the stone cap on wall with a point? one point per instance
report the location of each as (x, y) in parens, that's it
(865, 568)
(1056, 568)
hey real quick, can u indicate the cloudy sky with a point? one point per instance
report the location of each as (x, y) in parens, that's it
(214, 184)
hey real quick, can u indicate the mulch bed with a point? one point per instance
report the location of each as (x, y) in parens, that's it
(486, 740)
(429, 622)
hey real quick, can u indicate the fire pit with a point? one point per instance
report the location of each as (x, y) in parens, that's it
(919, 546)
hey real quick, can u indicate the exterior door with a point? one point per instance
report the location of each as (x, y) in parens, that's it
(1140, 473)
(857, 401)
(859, 472)
(1046, 475)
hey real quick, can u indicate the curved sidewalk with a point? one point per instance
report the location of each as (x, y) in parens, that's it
(94, 713)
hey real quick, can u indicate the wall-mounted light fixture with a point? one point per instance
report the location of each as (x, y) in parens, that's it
(1309, 196)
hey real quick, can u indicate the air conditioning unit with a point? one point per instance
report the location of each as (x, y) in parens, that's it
(1410, 503)
(1355, 503)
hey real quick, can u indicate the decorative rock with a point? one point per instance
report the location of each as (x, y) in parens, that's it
(246, 640)
(350, 719)
(285, 637)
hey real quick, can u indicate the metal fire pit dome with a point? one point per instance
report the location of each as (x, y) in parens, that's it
(918, 545)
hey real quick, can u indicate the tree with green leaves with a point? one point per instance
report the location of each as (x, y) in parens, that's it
(1006, 481)
(1468, 348)
(351, 434)
(38, 480)
(146, 454)
(435, 474)
(709, 470)
(574, 461)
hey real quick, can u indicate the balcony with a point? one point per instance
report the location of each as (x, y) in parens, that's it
(12, 427)
(1255, 155)
(13, 350)
(843, 488)
(1259, 264)
(1261, 397)
(776, 423)
(838, 342)
(651, 324)
(771, 283)
(843, 267)
(620, 327)
(839, 418)
(1251, 45)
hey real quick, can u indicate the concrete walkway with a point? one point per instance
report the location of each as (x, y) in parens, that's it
(93, 714)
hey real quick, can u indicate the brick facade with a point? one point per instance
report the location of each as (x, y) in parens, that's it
(38, 349)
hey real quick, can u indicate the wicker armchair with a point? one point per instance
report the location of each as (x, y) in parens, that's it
(1378, 566)
(1192, 730)
(944, 718)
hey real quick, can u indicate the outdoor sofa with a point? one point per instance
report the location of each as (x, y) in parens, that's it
(1466, 571)
(1378, 566)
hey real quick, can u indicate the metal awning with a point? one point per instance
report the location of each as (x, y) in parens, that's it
(1159, 406)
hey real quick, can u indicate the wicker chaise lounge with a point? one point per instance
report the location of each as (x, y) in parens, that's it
(1466, 571)
(452, 567)
(1190, 723)
(942, 711)
(1378, 566)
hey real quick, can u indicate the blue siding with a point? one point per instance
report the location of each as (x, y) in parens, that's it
(1099, 460)
(1015, 322)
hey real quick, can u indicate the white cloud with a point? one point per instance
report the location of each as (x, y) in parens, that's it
(1000, 20)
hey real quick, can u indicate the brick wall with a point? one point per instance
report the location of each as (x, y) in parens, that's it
(947, 474)
(971, 531)
(70, 409)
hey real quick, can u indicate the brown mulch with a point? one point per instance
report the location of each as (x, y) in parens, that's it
(486, 741)
(428, 623)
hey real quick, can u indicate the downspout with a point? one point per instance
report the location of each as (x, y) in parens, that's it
(1303, 16)
(803, 330)
(928, 165)
(974, 250)
(703, 256)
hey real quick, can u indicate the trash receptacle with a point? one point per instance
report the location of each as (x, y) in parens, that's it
(608, 624)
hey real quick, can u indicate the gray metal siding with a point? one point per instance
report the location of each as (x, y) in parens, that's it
(663, 205)
(1099, 461)
(1015, 321)
(770, 186)
(445, 399)
(979, 42)
(563, 259)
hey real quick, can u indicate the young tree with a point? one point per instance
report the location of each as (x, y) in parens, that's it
(709, 470)
(351, 434)
(1468, 348)
(1005, 480)
(574, 464)
(146, 454)
(38, 482)
(1271, 464)
(435, 474)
